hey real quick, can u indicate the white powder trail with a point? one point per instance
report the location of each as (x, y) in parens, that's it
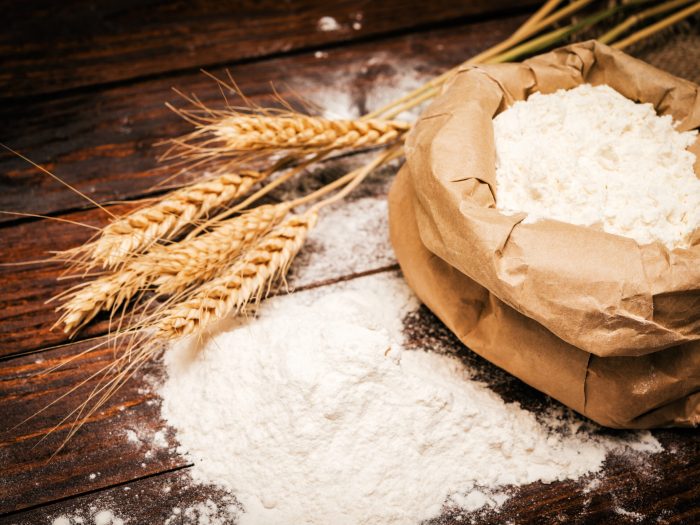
(314, 413)
(589, 156)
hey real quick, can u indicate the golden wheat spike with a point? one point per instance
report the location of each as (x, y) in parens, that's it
(169, 269)
(301, 131)
(232, 134)
(203, 257)
(246, 280)
(136, 232)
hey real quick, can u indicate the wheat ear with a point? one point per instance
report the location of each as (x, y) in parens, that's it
(171, 268)
(232, 133)
(137, 231)
(244, 281)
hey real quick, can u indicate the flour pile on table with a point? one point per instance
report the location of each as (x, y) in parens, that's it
(590, 156)
(314, 413)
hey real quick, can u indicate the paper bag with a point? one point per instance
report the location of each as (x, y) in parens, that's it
(608, 327)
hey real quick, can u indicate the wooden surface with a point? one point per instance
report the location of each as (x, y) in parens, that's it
(82, 92)
(48, 46)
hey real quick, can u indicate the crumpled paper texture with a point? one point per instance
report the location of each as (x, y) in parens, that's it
(609, 327)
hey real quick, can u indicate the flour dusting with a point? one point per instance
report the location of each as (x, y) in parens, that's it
(388, 81)
(96, 517)
(350, 238)
(316, 412)
(203, 513)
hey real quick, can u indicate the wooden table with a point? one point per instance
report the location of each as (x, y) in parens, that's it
(82, 91)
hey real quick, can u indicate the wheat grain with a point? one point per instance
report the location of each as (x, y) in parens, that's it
(137, 231)
(245, 280)
(231, 134)
(202, 258)
(170, 268)
(301, 131)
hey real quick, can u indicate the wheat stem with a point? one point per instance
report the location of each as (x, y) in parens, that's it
(640, 17)
(528, 29)
(357, 176)
(658, 26)
(536, 18)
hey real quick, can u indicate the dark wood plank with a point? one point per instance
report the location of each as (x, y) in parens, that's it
(100, 455)
(660, 488)
(48, 46)
(102, 142)
(26, 318)
(153, 501)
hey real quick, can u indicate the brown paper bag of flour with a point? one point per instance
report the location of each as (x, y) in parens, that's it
(608, 327)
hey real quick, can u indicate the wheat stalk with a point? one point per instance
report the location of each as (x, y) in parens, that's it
(231, 133)
(244, 281)
(136, 232)
(658, 26)
(170, 268)
(636, 18)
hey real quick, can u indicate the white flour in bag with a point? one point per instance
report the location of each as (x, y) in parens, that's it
(313, 413)
(590, 156)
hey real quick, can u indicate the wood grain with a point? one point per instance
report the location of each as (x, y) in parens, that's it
(48, 46)
(150, 501)
(102, 141)
(30, 471)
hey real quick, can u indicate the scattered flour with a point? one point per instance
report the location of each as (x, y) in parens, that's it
(362, 225)
(159, 439)
(628, 514)
(592, 157)
(101, 517)
(204, 513)
(335, 103)
(592, 485)
(385, 90)
(327, 23)
(132, 437)
(314, 413)
(388, 82)
(107, 517)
